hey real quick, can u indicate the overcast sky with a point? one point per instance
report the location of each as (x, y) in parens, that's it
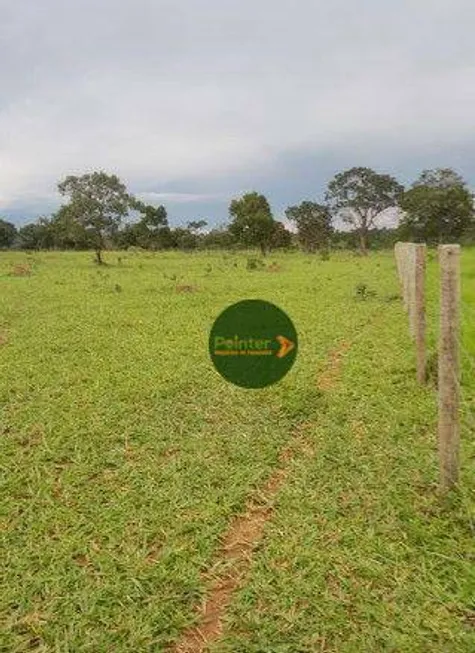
(192, 103)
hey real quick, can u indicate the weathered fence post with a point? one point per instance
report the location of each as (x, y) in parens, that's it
(420, 311)
(411, 286)
(448, 386)
(405, 272)
(411, 265)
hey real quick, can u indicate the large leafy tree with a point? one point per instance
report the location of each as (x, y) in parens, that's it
(147, 232)
(153, 217)
(128, 236)
(184, 239)
(437, 208)
(359, 195)
(313, 222)
(439, 178)
(218, 238)
(149, 229)
(29, 236)
(98, 202)
(36, 235)
(8, 234)
(252, 223)
(195, 226)
(281, 238)
(68, 233)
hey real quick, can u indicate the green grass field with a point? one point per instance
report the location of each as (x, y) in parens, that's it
(124, 458)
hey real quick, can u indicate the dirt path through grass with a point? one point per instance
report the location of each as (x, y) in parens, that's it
(246, 530)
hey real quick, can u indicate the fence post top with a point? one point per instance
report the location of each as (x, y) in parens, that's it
(449, 248)
(403, 243)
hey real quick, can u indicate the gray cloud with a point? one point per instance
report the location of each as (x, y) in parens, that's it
(204, 100)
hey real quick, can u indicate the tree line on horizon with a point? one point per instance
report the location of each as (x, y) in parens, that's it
(100, 213)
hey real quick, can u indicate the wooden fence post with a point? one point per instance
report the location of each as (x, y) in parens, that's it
(411, 288)
(448, 386)
(405, 277)
(420, 312)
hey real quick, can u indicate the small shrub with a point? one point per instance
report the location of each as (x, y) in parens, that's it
(363, 292)
(254, 263)
(325, 255)
(185, 288)
(392, 298)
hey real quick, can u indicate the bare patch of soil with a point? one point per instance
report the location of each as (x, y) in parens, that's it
(331, 374)
(235, 555)
(21, 270)
(185, 288)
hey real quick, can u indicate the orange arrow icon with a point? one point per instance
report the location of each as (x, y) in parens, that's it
(286, 345)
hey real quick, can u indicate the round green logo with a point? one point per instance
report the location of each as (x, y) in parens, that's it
(253, 343)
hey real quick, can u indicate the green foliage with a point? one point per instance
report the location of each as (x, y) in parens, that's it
(438, 208)
(151, 228)
(363, 292)
(97, 202)
(149, 232)
(280, 237)
(440, 178)
(153, 217)
(36, 236)
(254, 263)
(29, 237)
(184, 239)
(313, 222)
(129, 236)
(219, 238)
(384, 238)
(165, 238)
(195, 226)
(8, 234)
(252, 222)
(68, 233)
(359, 195)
